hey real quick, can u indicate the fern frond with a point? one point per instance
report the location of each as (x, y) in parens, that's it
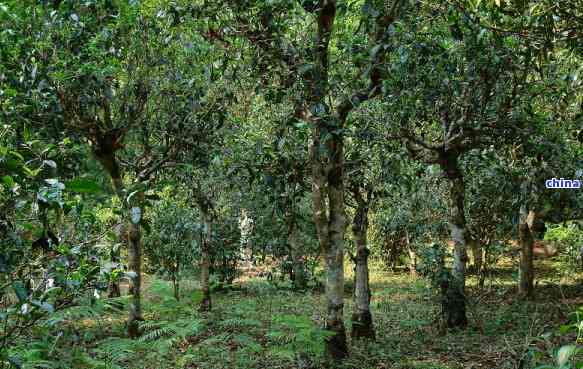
(158, 333)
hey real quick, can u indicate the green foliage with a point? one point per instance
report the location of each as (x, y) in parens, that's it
(41, 275)
(296, 336)
(569, 239)
(170, 332)
(113, 111)
(432, 265)
(567, 356)
(173, 248)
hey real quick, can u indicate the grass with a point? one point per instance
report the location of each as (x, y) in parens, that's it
(260, 326)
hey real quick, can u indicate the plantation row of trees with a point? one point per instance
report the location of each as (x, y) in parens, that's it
(203, 136)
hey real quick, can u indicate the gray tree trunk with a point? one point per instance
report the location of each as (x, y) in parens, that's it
(176, 279)
(362, 323)
(205, 304)
(330, 220)
(526, 241)
(454, 299)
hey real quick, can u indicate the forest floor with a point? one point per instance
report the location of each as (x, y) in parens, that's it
(262, 326)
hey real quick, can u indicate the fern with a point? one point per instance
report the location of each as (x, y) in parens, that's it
(114, 352)
(89, 311)
(155, 331)
(171, 332)
(239, 323)
(297, 335)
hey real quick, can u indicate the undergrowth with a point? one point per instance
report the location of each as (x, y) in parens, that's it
(262, 326)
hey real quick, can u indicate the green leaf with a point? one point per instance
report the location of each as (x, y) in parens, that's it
(146, 225)
(565, 354)
(83, 186)
(8, 181)
(44, 306)
(305, 68)
(565, 328)
(17, 155)
(30, 172)
(20, 290)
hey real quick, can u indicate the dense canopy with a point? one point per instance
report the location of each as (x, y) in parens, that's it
(291, 184)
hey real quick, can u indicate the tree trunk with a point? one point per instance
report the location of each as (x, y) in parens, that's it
(109, 162)
(329, 217)
(176, 279)
(362, 324)
(336, 345)
(205, 304)
(135, 274)
(484, 267)
(454, 301)
(526, 240)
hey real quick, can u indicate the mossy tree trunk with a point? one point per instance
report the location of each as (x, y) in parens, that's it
(362, 322)
(206, 208)
(329, 216)
(106, 145)
(205, 304)
(135, 272)
(176, 279)
(454, 301)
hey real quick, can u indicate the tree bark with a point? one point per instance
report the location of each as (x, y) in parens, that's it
(362, 323)
(107, 159)
(205, 304)
(336, 345)
(329, 217)
(484, 267)
(176, 279)
(526, 240)
(454, 301)
(327, 156)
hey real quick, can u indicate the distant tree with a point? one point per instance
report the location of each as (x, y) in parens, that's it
(172, 248)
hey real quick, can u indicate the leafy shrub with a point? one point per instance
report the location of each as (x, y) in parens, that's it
(566, 356)
(297, 337)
